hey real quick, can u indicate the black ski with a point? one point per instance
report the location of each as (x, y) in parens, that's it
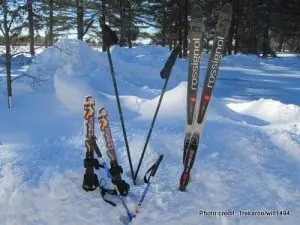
(209, 83)
(194, 47)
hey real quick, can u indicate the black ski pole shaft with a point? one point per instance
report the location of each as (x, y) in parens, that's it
(150, 130)
(165, 73)
(120, 112)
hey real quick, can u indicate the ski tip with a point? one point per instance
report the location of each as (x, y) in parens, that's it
(227, 8)
(102, 112)
(196, 22)
(89, 99)
(197, 12)
(224, 19)
(226, 13)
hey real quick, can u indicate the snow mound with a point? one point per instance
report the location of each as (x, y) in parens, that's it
(74, 70)
(269, 110)
(173, 103)
(68, 67)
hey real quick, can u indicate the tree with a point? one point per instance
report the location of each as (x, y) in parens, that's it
(30, 25)
(10, 26)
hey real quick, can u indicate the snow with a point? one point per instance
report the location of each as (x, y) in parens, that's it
(268, 110)
(248, 158)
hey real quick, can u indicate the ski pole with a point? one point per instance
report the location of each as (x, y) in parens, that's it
(110, 38)
(151, 171)
(165, 74)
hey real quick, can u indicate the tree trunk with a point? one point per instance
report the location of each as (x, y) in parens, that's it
(7, 54)
(164, 24)
(129, 27)
(102, 22)
(266, 39)
(237, 18)
(123, 22)
(179, 38)
(185, 28)
(237, 41)
(51, 22)
(80, 23)
(31, 26)
(232, 27)
(281, 39)
(179, 25)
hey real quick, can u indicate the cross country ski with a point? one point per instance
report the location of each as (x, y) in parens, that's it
(198, 113)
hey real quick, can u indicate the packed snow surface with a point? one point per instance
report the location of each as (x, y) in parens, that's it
(248, 161)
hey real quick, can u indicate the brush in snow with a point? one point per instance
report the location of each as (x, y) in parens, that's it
(165, 74)
(110, 38)
(195, 129)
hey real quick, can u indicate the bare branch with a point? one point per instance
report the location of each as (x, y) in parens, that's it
(63, 50)
(35, 80)
(18, 52)
(87, 27)
(15, 14)
(1, 29)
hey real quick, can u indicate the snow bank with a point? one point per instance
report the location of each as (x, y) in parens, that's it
(174, 103)
(268, 110)
(74, 70)
(68, 67)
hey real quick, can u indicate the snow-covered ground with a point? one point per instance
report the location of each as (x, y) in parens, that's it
(248, 160)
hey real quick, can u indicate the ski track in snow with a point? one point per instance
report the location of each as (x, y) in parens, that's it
(248, 158)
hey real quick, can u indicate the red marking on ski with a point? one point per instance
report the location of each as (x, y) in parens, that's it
(193, 99)
(206, 98)
(185, 176)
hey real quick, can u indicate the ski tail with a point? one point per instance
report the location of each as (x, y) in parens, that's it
(189, 161)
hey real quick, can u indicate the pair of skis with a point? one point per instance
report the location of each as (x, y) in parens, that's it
(90, 180)
(196, 110)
